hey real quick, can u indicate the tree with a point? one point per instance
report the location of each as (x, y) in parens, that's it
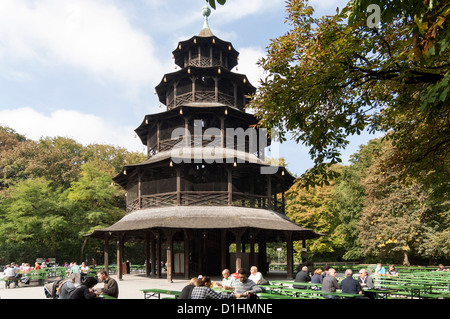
(400, 218)
(96, 200)
(34, 216)
(335, 76)
(348, 199)
(309, 208)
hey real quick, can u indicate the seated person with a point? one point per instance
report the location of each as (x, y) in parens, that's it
(302, 276)
(350, 285)
(203, 290)
(245, 288)
(228, 281)
(186, 292)
(256, 276)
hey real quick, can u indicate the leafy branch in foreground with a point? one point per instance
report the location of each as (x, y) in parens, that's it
(333, 77)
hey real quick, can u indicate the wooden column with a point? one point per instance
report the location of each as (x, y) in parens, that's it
(169, 235)
(178, 185)
(106, 252)
(193, 79)
(158, 136)
(147, 255)
(186, 254)
(238, 234)
(290, 255)
(262, 256)
(252, 260)
(216, 89)
(303, 250)
(153, 255)
(223, 248)
(158, 255)
(269, 191)
(139, 188)
(230, 186)
(120, 238)
(222, 131)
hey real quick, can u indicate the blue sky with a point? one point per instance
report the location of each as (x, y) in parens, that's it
(86, 69)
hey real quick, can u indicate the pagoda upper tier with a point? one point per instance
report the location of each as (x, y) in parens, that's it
(205, 77)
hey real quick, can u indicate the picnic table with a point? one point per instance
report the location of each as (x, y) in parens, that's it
(312, 293)
(149, 293)
(296, 283)
(264, 295)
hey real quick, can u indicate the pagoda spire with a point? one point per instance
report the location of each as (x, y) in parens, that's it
(206, 31)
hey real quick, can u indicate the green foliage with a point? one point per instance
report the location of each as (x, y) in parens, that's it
(54, 191)
(332, 77)
(212, 3)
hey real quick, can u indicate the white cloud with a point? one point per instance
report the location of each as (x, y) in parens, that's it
(237, 9)
(84, 128)
(248, 57)
(94, 36)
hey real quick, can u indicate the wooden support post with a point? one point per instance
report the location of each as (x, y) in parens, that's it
(153, 254)
(269, 191)
(238, 234)
(169, 235)
(147, 255)
(230, 186)
(120, 238)
(106, 253)
(186, 254)
(178, 185)
(290, 255)
(223, 248)
(158, 254)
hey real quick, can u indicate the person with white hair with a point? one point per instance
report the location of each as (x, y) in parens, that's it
(350, 285)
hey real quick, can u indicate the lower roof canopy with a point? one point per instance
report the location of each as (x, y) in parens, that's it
(205, 217)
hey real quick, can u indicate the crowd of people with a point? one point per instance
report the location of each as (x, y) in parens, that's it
(77, 285)
(240, 285)
(349, 285)
(69, 289)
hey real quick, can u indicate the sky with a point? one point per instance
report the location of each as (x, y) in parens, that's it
(87, 69)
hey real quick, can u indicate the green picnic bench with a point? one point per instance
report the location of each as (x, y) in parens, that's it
(149, 293)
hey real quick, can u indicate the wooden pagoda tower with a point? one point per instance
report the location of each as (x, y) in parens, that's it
(205, 197)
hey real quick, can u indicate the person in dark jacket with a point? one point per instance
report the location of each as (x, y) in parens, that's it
(350, 285)
(85, 290)
(302, 276)
(186, 292)
(110, 287)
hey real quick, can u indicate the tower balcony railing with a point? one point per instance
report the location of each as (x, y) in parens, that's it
(205, 198)
(168, 145)
(201, 96)
(205, 62)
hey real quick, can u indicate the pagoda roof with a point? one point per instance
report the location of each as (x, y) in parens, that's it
(207, 154)
(141, 131)
(206, 217)
(201, 71)
(205, 38)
